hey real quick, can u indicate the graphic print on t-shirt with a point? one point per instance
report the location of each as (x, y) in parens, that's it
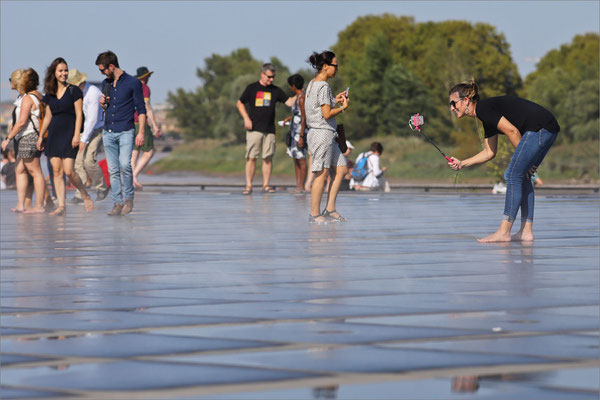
(263, 99)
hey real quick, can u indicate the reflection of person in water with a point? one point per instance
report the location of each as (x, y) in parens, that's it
(326, 392)
(467, 383)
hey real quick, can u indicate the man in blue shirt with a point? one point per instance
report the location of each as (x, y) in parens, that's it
(122, 96)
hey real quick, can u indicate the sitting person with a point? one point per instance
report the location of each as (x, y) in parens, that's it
(373, 179)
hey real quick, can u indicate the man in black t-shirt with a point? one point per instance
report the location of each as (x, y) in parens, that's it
(257, 107)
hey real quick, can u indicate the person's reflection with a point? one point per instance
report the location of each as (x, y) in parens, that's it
(325, 392)
(467, 383)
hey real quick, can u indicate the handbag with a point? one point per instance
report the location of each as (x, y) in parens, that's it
(341, 138)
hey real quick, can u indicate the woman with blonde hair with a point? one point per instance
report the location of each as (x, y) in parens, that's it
(63, 121)
(24, 132)
(531, 130)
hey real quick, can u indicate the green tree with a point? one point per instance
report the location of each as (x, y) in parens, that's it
(404, 95)
(566, 82)
(438, 54)
(209, 111)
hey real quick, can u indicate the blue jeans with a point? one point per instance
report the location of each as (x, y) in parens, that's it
(530, 151)
(118, 147)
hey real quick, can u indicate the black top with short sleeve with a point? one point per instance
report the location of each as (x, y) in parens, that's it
(525, 115)
(260, 104)
(62, 124)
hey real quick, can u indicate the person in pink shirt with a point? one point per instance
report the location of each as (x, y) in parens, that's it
(141, 155)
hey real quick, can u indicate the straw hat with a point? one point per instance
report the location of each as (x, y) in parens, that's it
(143, 72)
(76, 77)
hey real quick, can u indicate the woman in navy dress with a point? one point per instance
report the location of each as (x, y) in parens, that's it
(63, 121)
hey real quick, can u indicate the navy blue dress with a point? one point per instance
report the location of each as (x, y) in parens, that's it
(62, 125)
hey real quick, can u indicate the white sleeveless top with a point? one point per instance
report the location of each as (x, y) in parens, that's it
(35, 117)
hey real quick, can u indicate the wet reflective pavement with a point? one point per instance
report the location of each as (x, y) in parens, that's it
(215, 295)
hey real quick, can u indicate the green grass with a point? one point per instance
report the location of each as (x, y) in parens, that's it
(407, 159)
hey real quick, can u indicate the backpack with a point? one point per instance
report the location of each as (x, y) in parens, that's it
(361, 169)
(42, 107)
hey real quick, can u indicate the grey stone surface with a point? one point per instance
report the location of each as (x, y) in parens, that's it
(218, 295)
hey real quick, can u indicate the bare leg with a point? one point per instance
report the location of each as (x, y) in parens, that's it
(525, 234)
(250, 170)
(139, 166)
(501, 235)
(59, 185)
(302, 173)
(310, 176)
(76, 181)
(297, 172)
(267, 167)
(39, 183)
(134, 155)
(22, 180)
(28, 204)
(336, 182)
(317, 193)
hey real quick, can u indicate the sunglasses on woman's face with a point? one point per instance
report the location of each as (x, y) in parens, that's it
(334, 65)
(454, 102)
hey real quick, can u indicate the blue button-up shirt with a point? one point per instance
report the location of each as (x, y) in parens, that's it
(125, 98)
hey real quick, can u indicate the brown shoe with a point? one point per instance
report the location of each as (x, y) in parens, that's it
(116, 210)
(127, 207)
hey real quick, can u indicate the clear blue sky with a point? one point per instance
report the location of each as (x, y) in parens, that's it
(173, 38)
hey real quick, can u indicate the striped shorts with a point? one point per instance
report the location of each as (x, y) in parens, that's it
(324, 149)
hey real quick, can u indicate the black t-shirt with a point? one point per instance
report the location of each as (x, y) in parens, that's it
(525, 115)
(260, 103)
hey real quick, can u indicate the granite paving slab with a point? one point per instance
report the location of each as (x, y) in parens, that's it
(126, 345)
(279, 310)
(15, 393)
(99, 302)
(318, 332)
(536, 320)
(109, 320)
(554, 346)
(361, 359)
(148, 375)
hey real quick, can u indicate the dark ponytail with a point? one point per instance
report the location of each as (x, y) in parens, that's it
(319, 60)
(466, 90)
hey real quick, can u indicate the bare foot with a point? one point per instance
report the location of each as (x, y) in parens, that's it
(35, 210)
(17, 210)
(89, 204)
(522, 237)
(495, 237)
(59, 211)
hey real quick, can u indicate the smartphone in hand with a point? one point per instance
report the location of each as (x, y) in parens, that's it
(347, 91)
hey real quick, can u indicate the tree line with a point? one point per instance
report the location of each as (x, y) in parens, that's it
(397, 67)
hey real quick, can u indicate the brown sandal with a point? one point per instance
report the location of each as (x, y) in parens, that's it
(268, 189)
(247, 190)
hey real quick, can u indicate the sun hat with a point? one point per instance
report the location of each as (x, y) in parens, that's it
(76, 77)
(143, 72)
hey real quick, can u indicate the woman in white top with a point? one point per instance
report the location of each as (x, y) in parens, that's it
(374, 179)
(320, 113)
(25, 133)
